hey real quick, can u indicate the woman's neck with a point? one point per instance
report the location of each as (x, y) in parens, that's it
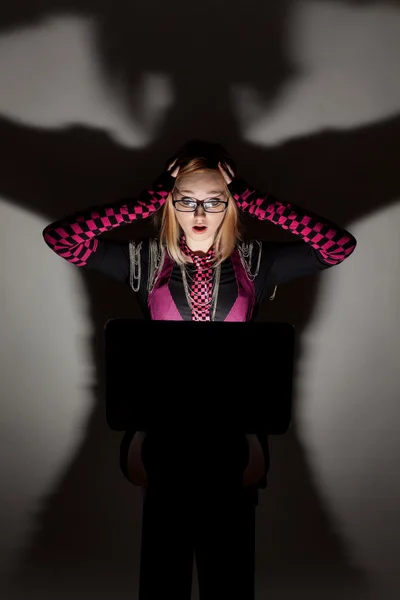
(200, 248)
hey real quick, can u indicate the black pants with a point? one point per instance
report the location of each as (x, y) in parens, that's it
(206, 513)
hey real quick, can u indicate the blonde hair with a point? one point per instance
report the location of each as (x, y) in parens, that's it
(228, 234)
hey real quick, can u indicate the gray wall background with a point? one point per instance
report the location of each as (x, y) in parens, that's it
(94, 96)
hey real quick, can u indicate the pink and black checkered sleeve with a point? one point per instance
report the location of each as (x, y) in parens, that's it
(74, 237)
(333, 243)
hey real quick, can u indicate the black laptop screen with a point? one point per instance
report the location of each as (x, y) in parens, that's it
(199, 375)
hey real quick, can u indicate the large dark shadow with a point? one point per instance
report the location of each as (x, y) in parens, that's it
(85, 537)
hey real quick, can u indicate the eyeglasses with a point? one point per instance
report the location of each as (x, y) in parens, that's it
(212, 205)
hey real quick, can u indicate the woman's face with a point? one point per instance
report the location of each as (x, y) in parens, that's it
(200, 227)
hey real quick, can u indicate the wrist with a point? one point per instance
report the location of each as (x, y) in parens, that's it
(238, 186)
(165, 182)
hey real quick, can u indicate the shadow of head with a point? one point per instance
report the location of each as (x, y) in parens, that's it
(211, 154)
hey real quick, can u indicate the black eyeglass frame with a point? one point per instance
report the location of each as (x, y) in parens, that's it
(201, 203)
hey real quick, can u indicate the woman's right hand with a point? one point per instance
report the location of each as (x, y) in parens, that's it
(164, 180)
(175, 171)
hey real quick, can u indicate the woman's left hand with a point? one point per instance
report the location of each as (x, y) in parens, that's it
(226, 172)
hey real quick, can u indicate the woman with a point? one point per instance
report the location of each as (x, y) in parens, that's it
(199, 268)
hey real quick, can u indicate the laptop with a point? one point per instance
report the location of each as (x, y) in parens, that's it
(199, 376)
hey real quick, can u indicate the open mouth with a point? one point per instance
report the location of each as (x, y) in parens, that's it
(199, 228)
